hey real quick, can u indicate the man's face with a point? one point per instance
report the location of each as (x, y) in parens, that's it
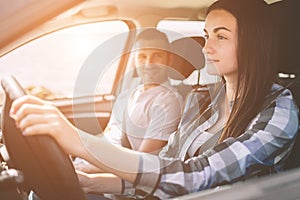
(151, 63)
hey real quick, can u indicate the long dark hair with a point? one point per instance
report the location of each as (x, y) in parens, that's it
(255, 55)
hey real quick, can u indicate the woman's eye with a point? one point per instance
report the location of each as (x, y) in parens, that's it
(220, 37)
(205, 36)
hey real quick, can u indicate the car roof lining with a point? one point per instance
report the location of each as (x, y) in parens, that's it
(81, 11)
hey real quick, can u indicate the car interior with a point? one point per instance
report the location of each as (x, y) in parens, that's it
(47, 169)
(38, 163)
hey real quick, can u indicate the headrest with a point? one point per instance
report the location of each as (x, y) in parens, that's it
(188, 56)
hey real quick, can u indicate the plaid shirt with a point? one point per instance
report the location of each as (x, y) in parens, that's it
(265, 142)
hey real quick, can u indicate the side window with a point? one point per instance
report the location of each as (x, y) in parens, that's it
(187, 29)
(53, 62)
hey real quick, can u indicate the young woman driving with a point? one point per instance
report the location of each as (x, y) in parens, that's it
(256, 132)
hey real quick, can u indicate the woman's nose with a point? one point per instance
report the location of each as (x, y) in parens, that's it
(207, 49)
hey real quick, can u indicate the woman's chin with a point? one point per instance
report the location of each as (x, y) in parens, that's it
(212, 70)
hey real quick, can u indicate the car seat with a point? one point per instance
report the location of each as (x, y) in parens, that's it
(188, 57)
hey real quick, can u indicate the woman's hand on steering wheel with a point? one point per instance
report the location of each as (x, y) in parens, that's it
(38, 117)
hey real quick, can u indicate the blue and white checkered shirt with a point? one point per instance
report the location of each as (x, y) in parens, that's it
(265, 142)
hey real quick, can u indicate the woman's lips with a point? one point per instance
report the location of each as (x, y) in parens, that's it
(210, 61)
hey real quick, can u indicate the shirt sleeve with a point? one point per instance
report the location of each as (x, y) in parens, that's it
(165, 114)
(113, 130)
(267, 137)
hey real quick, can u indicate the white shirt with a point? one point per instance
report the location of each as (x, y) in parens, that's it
(150, 114)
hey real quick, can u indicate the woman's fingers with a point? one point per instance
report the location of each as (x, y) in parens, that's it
(32, 109)
(27, 99)
(36, 129)
(35, 116)
(36, 119)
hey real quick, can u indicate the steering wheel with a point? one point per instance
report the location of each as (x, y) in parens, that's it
(47, 169)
